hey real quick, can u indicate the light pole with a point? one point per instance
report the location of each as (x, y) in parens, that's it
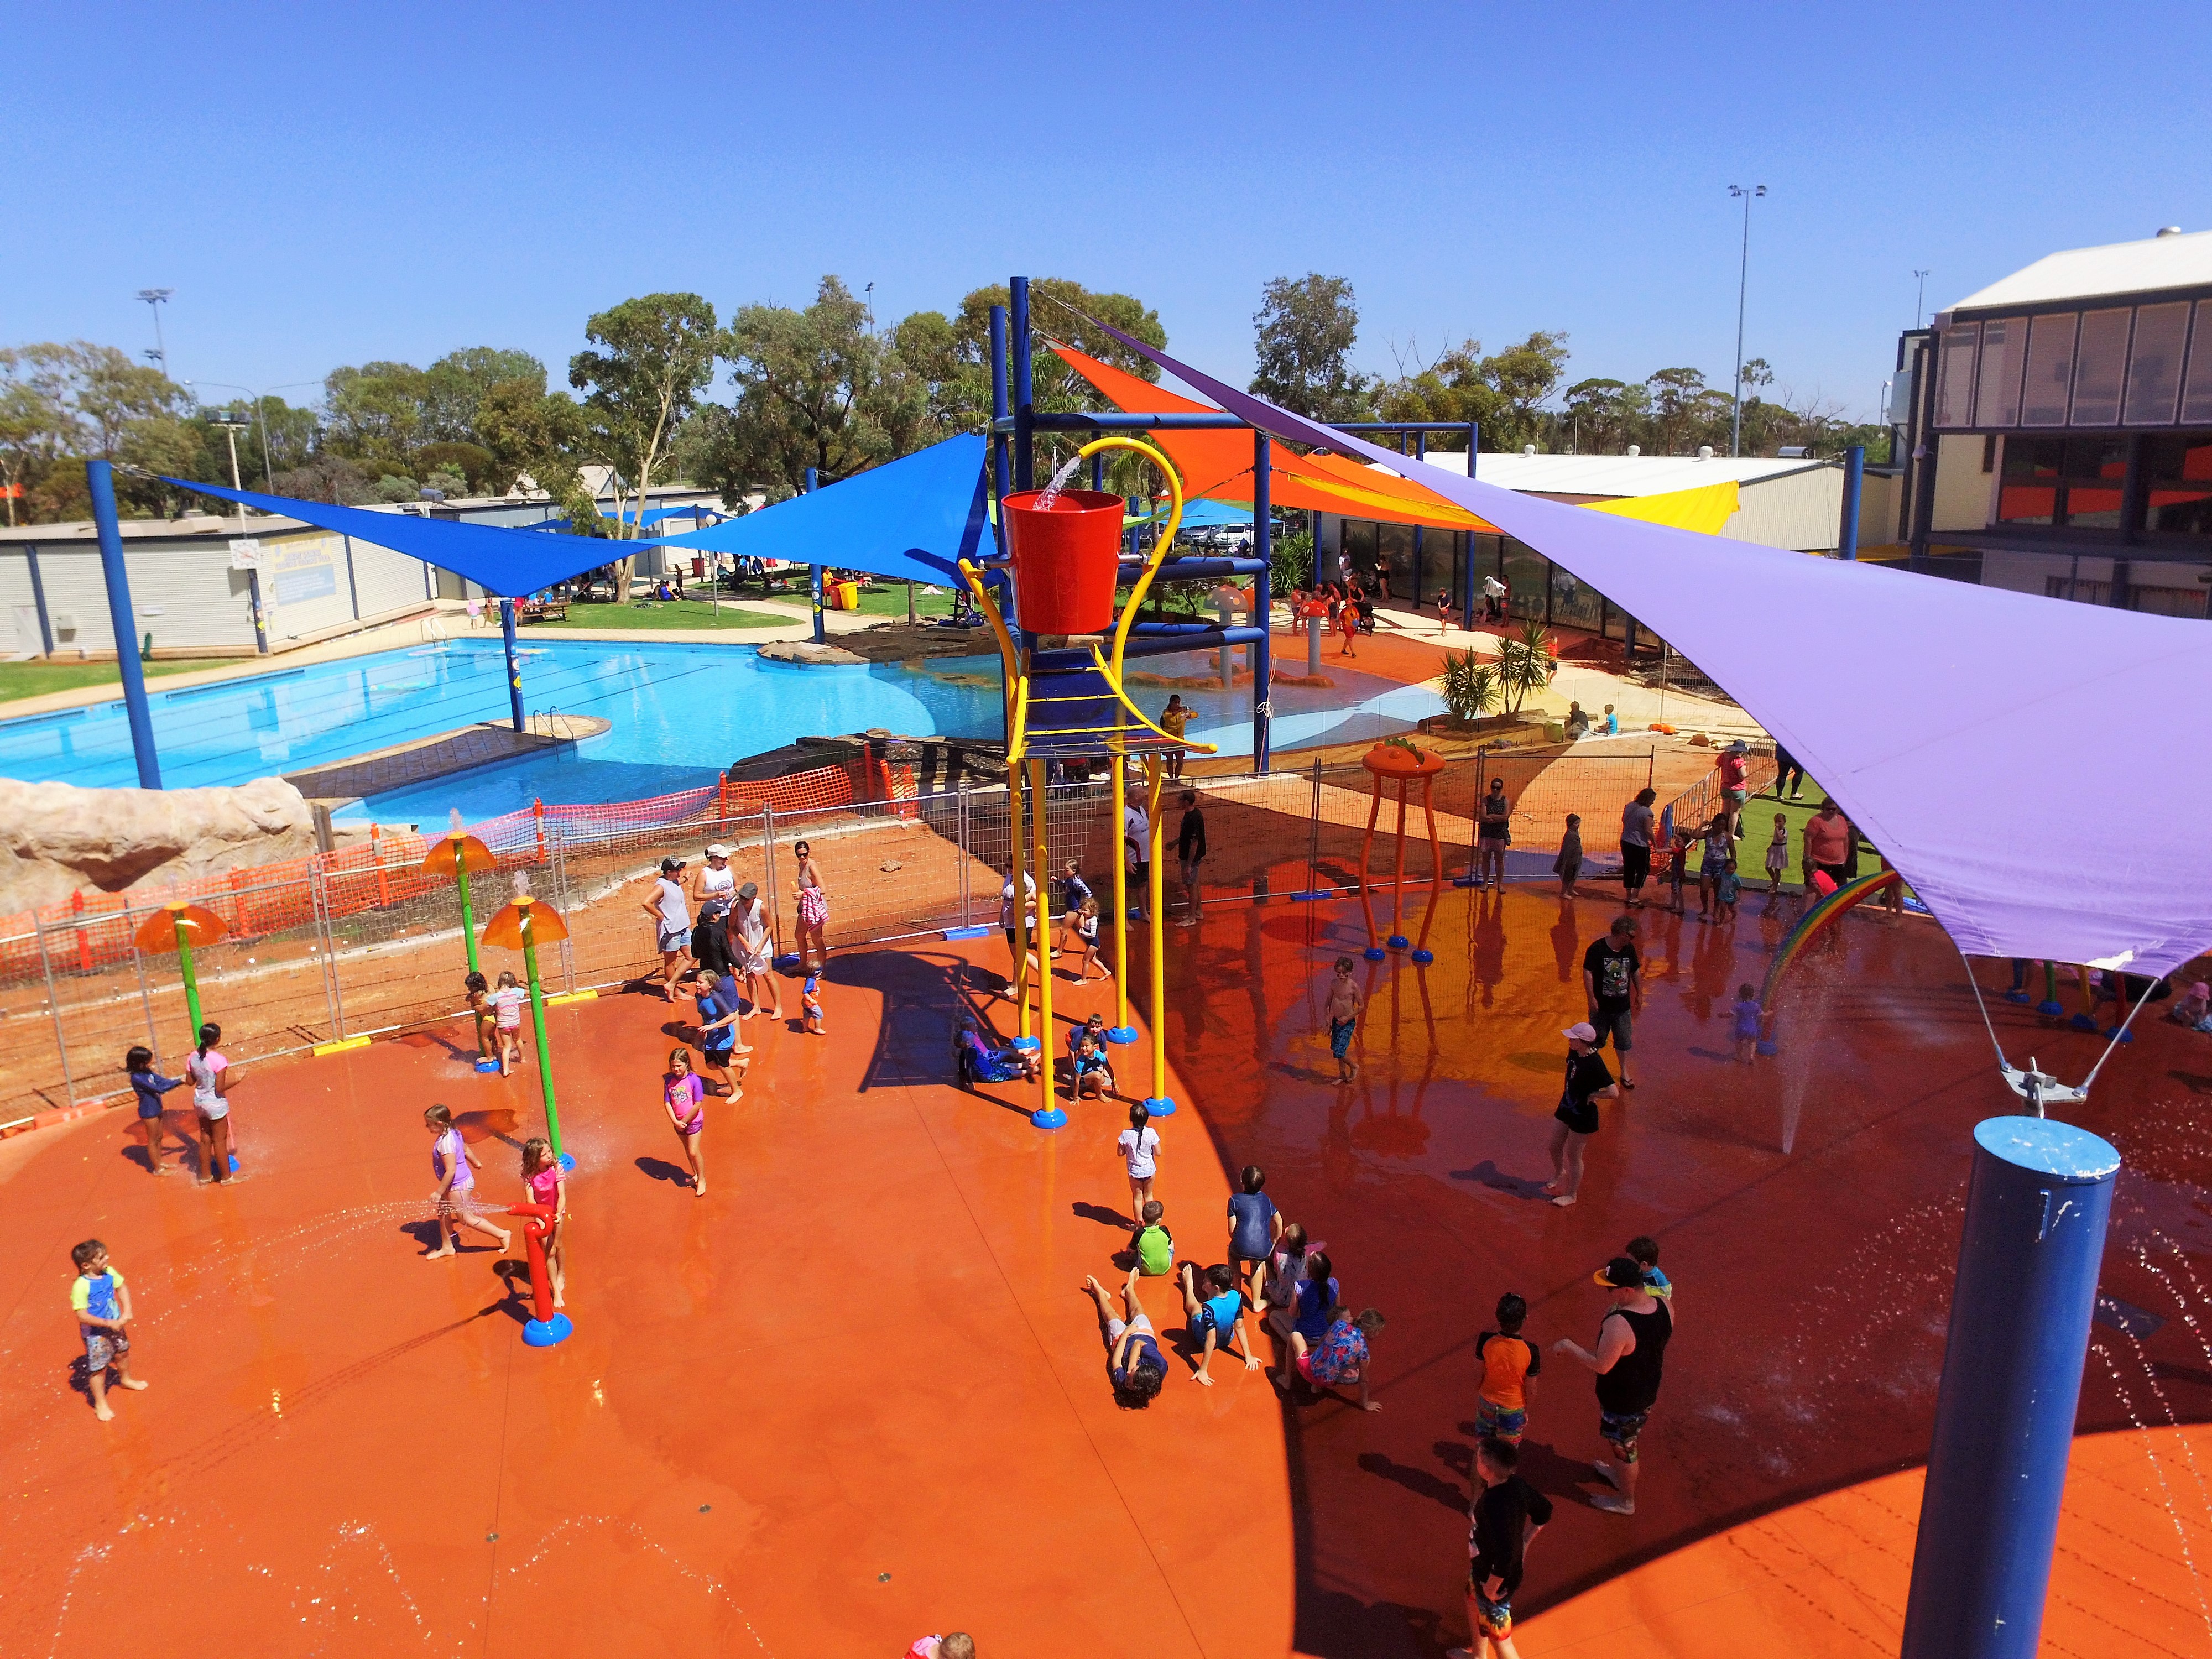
(1919, 297)
(155, 299)
(231, 423)
(268, 469)
(1742, 280)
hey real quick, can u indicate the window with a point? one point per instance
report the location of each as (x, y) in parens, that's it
(1527, 575)
(2075, 482)
(1996, 397)
(1360, 548)
(2177, 483)
(2154, 365)
(1954, 375)
(2100, 367)
(2197, 395)
(2050, 370)
(2154, 601)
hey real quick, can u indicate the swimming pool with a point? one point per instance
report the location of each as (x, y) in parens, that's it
(680, 713)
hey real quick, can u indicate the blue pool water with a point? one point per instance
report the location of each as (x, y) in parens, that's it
(680, 713)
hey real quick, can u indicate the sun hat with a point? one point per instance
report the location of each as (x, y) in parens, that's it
(1582, 1031)
(718, 851)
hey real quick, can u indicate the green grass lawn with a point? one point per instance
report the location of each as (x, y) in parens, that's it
(646, 616)
(889, 600)
(33, 679)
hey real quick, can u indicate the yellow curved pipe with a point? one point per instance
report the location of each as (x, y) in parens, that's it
(1159, 548)
(1009, 651)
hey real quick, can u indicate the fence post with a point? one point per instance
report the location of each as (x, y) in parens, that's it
(767, 873)
(54, 1007)
(560, 855)
(1313, 838)
(326, 938)
(1651, 767)
(965, 854)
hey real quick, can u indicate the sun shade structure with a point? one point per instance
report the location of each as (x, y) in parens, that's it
(1218, 464)
(2014, 757)
(911, 519)
(511, 561)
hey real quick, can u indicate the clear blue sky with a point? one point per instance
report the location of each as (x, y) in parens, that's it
(324, 184)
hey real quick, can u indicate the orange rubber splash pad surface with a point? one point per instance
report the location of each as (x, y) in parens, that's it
(852, 1394)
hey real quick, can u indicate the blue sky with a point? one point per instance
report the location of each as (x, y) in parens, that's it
(324, 184)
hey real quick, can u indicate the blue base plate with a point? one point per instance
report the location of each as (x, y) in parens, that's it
(1766, 1048)
(1424, 957)
(2083, 1022)
(1025, 1042)
(968, 933)
(1121, 1034)
(1373, 953)
(1160, 1106)
(487, 1066)
(2051, 1009)
(2015, 996)
(545, 1333)
(568, 1162)
(1051, 1118)
(1397, 941)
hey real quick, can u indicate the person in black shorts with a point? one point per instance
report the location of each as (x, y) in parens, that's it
(1588, 1083)
(1632, 1351)
(1638, 823)
(1504, 1520)
(1493, 834)
(1613, 981)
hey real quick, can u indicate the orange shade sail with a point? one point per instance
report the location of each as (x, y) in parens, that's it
(162, 930)
(505, 929)
(472, 854)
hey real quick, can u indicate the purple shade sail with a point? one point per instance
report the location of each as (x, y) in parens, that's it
(2037, 769)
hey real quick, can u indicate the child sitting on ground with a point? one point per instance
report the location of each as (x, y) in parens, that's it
(2194, 1010)
(1341, 1355)
(810, 1006)
(1093, 1076)
(1510, 1365)
(979, 1062)
(1152, 1244)
(1748, 1014)
(103, 1319)
(1218, 1316)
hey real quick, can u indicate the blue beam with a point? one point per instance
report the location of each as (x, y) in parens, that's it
(1188, 569)
(1018, 294)
(99, 477)
(1847, 531)
(1182, 420)
(999, 411)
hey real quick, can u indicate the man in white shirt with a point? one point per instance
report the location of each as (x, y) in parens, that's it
(1493, 598)
(1137, 856)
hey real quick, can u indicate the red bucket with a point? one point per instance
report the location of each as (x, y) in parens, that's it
(1064, 560)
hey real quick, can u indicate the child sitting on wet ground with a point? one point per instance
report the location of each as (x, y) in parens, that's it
(1215, 1309)
(1151, 1243)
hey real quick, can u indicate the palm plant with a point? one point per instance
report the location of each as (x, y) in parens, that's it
(1525, 663)
(1470, 686)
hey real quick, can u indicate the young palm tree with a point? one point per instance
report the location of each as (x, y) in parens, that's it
(1470, 686)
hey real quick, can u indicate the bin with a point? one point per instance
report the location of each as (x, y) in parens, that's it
(847, 595)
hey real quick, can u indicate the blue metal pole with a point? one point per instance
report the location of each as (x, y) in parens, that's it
(814, 571)
(1847, 533)
(1420, 568)
(999, 411)
(1263, 596)
(1017, 292)
(2037, 1203)
(99, 476)
(513, 667)
(1467, 562)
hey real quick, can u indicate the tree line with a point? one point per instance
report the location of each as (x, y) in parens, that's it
(668, 391)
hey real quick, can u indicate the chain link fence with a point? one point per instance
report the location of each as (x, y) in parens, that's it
(322, 951)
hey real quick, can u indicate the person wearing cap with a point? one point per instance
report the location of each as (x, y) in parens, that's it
(1588, 1083)
(710, 941)
(672, 923)
(1733, 765)
(1632, 1351)
(714, 879)
(752, 944)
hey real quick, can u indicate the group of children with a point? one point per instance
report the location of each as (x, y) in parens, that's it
(1273, 1271)
(212, 1077)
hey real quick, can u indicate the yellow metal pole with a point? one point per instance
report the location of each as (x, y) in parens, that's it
(1121, 1033)
(1018, 971)
(1048, 1114)
(1161, 1104)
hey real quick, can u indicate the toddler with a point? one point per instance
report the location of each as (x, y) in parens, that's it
(1678, 867)
(1727, 888)
(1748, 1014)
(2193, 1010)
(103, 1318)
(810, 1006)
(1778, 862)
(1153, 1244)
(507, 1010)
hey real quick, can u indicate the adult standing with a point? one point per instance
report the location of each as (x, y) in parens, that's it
(1136, 856)
(752, 943)
(1828, 841)
(671, 916)
(1632, 1352)
(1588, 1082)
(714, 879)
(1493, 834)
(1494, 598)
(1787, 771)
(1190, 854)
(1613, 981)
(1637, 823)
(1733, 765)
(812, 900)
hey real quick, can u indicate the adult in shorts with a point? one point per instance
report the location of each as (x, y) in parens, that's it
(1734, 765)
(1588, 1082)
(1190, 854)
(1630, 1356)
(670, 912)
(752, 950)
(1612, 982)
(1638, 823)
(1828, 842)
(1137, 858)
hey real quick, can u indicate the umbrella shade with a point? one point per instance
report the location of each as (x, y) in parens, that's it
(505, 929)
(160, 931)
(473, 853)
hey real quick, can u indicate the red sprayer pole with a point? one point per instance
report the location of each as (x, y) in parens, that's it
(548, 1326)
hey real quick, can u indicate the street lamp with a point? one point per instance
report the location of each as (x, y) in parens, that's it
(155, 299)
(1743, 281)
(1919, 297)
(231, 423)
(268, 469)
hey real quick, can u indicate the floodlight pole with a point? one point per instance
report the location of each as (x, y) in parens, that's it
(155, 298)
(99, 479)
(1743, 282)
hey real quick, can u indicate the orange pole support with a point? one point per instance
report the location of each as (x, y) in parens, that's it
(376, 852)
(83, 935)
(538, 822)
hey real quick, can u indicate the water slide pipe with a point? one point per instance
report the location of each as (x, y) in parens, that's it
(99, 477)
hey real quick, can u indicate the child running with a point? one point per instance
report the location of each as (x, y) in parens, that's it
(1510, 1365)
(548, 1184)
(102, 1302)
(1748, 1014)
(1217, 1316)
(685, 1097)
(1086, 930)
(149, 1086)
(1343, 1008)
(1139, 1145)
(507, 1004)
(455, 1166)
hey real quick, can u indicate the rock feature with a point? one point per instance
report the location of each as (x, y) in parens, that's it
(56, 839)
(809, 654)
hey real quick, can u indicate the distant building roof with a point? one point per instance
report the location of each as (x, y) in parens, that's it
(2156, 262)
(1611, 475)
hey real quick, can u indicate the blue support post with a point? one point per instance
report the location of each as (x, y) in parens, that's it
(1263, 598)
(1000, 409)
(1847, 531)
(100, 477)
(514, 667)
(2037, 1203)
(1420, 566)
(814, 571)
(1017, 295)
(1466, 564)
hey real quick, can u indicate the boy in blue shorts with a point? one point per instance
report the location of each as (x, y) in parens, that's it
(102, 1303)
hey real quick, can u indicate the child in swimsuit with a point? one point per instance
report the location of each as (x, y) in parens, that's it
(685, 1097)
(454, 1166)
(547, 1184)
(1343, 1019)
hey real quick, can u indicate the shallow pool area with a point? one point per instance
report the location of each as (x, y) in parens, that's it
(679, 712)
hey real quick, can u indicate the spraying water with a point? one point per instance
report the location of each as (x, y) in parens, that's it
(1050, 497)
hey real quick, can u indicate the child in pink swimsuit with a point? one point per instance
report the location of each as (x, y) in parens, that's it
(547, 1183)
(685, 1097)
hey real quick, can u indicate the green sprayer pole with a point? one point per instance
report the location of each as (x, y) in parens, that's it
(191, 983)
(468, 915)
(538, 1024)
